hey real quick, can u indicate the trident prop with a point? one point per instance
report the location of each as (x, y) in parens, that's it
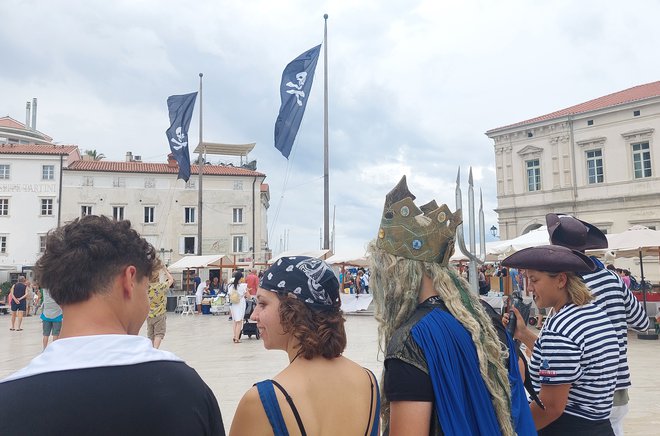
(472, 253)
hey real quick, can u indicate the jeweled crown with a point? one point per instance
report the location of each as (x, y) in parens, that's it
(425, 233)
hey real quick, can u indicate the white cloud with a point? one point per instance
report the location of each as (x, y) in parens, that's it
(413, 85)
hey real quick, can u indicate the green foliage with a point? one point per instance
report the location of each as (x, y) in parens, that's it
(4, 289)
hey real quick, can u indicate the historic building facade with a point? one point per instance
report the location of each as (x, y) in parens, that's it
(598, 160)
(43, 185)
(165, 210)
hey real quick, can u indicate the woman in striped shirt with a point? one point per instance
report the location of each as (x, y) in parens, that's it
(575, 357)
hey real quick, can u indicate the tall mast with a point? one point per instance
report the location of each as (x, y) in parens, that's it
(326, 179)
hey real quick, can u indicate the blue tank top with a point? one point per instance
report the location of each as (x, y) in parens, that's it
(274, 413)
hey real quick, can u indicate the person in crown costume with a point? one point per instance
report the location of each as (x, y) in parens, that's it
(446, 370)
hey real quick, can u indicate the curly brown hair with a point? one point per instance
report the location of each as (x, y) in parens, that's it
(84, 257)
(320, 332)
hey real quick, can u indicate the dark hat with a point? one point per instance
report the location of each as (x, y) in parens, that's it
(309, 279)
(550, 258)
(573, 233)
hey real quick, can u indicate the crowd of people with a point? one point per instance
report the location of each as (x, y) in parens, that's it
(451, 365)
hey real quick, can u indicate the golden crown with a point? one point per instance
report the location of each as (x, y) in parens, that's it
(426, 233)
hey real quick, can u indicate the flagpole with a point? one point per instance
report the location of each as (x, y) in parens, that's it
(200, 170)
(326, 179)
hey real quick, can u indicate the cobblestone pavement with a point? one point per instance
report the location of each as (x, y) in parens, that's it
(204, 342)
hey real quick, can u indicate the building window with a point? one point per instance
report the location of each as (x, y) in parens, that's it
(48, 172)
(149, 214)
(85, 210)
(590, 122)
(189, 245)
(4, 172)
(238, 185)
(46, 207)
(3, 244)
(4, 206)
(238, 244)
(533, 175)
(88, 181)
(119, 182)
(42, 243)
(237, 216)
(595, 166)
(636, 113)
(118, 213)
(189, 215)
(150, 182)
(641, 160)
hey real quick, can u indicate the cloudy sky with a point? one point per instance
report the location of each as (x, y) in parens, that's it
(413, 85)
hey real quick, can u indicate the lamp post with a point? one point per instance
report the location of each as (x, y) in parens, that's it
(493, 231)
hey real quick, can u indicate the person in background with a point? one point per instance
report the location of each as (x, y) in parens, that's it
(157, 318)
(611, 295)
(17, 296)
(51, 319)
(237, 292)
(320, 391)
(573, 369)
(202, 289)
(252, 282)
(513, 272)
(102, 377)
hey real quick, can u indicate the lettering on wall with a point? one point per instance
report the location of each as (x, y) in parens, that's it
(28, 187)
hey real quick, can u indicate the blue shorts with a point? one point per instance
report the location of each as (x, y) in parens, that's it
(20, 306)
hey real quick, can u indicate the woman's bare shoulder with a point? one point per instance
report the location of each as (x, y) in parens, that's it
(250, 417)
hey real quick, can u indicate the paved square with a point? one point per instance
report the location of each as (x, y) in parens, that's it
(204, 342)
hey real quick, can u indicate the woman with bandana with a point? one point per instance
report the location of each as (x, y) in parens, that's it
(320, 391)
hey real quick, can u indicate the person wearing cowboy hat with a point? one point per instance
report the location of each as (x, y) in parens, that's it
(610, 294)
(574, 359)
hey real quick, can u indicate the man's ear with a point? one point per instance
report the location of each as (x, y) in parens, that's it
(128, 279)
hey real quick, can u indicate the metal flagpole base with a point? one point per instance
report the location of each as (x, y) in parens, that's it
(648, 336)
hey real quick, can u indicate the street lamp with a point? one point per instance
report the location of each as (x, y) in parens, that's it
(493, 231)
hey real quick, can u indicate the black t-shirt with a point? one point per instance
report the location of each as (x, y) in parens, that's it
(405, 382)
(152, 398)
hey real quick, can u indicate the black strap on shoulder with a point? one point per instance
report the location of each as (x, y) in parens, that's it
(293, 407)
(371, 402)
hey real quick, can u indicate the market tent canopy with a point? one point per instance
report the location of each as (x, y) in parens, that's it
(530, 239)
(458, 256)
(354, 260)
(207, 261)
(319, 254)
(635, 240)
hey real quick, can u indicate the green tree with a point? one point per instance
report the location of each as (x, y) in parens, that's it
(94, 155)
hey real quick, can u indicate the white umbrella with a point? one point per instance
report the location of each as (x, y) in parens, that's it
(530, 239)
(637, 241)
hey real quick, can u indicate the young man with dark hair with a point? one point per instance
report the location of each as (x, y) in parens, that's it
(107, 379)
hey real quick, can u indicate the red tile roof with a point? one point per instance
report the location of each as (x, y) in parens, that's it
(10, 123)
(37, 149)
(158, 168)
(636, 93)
(265, 187)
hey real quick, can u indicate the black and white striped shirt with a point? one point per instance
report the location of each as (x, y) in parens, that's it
(623, 310)
(578, 346)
